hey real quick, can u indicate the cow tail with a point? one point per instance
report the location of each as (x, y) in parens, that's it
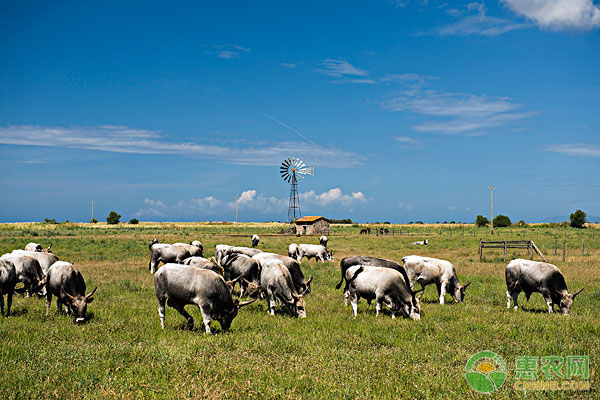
(343, 269)
(358, 271)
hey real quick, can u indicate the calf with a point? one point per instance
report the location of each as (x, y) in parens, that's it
(386, 286)
(255, 240)
(426, 270)
(532, 276)
(316, 251)
(8, 280)
(180, 285)
(276, 283)
(65, 281)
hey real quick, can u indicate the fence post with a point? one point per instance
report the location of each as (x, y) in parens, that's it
(450, 232)
(480, 249)
(555, 245)
(505, 251)
(582, 247)
(564, 250)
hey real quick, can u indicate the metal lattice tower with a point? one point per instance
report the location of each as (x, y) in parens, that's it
(292, 171)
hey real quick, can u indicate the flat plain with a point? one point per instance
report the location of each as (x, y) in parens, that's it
(121, 352)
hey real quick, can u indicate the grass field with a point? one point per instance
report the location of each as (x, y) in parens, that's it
(121, 352)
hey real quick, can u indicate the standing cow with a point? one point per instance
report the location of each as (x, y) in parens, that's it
(249, 251)
(238, 265)
(167, 253)
(316, 251)
(220, 251)
(255, 240)
(293, 251)
(300, 283)
(8, 280)
(532, 276)
(323, 241)
(195, 248)
(276, 283)
(28, 271)
(45, 259)
(37, 247)
(426, 270)
(203, 263)
(65, 281)
(180, 285)
(385, 286)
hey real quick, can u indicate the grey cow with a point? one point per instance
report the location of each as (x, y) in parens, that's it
(255, 239)
(276, 283)
(45, 259)
(167, 253)
(293, 251)
(532, 276)
(28, 271)
(220, 251)
(195, 248)
(316, 251)
(385, 286)
(8, 280)
(203, 263)
(180, 285)
(37, 247)
(237, 265)
(427, 270)
(66, 283)
(243, 250)
(323, 240)
(300, 283)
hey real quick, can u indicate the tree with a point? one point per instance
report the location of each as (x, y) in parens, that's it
(113, 218)
(93, 221)
(501, 221)
(578, 219)
(134, 221)
(481, 221)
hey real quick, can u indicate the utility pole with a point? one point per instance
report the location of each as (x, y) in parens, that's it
(236, 211)
(92, 211)
(491, 188)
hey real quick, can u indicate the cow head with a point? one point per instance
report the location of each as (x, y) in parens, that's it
(47, 249)
(307, 288)
(153, 242)
(412, 310)
(567, 301)
(225, 320)
(459, 293)
(196, 243)
(329, 256)
(78, 304)
(252, 288)
(231, 284)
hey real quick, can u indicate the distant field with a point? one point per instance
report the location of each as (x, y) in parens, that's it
(122, 352)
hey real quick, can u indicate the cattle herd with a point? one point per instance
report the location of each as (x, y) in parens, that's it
(208, 283)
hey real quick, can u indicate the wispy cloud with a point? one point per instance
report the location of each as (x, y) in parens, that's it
(226, 50)
(344, 71)
(558, 14)
(249, 200)
(456, 113)
(123, 139)
(407, 142)
(576, 149)
(288, 65)
(477, 22)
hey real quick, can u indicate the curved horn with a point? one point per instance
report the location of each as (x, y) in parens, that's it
(91, 294)
(414, 292)
(245, 303)
(65, 294)
(309, 281)
(236, 279)
(246, 281)
(576, 293)
(464, 287)
(49, 247)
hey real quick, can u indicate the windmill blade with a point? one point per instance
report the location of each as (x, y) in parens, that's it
(307, 171)
(285, 164)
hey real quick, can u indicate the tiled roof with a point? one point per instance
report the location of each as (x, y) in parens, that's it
(311, 219)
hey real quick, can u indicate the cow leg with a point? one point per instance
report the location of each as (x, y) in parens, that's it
(161, 312)
(181, 310)
(9, 297)
(354, 302)
(205, 310)
(270, 302)
(346, 295)
(2, 303)
(442, 291)
(59, 305)
(48, 301)
(514, 295)
(377, 307)
(550, 304)
(508, 299)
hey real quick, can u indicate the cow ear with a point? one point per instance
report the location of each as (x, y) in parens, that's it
(576, 293)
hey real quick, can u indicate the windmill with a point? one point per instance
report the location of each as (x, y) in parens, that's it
(292, 171)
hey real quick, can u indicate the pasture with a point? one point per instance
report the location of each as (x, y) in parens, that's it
(121, 352)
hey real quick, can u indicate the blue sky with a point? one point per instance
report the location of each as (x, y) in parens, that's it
(407, 109)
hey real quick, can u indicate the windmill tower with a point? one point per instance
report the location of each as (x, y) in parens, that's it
(292, 171)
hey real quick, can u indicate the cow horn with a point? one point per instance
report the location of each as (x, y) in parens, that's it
(48, 249)
(91, 294)
(576, 293)
(414, 292)
(65, 294)
(309, 281)
(236, 279)
(464, 287)
(244, 303)
(246, 281)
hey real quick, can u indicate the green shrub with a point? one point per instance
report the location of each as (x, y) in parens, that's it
(578, 219)
(501, 221)
(481, 221)
(134, 221)
(113, 218)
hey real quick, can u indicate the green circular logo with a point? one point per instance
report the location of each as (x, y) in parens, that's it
(485, 371)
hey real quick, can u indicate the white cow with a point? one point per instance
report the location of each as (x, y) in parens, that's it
(317, 251)
(420, 243)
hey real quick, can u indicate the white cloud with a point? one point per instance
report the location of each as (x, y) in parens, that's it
(344, 71)
(405, 206)
(288, 65)
(456, 112)
(123, 139)
(407, 142)
(558, 14)
(247, 196)
(332, 196)
(226, 51)
(476, 21)
(576, 149)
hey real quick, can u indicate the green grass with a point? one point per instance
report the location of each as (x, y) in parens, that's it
(122, 352)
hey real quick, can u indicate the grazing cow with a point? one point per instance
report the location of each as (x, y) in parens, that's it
(238, 265)
(348, 262)
(203, 263)
(180, 285)
(255, 240)
(244, 250)
(316, 251)
(37, 247)
(276, 283)
(293, 251)
(28, 271)
(365, 231)
(386, 286)
(8, 280)
(67, 284)
(194, 249)
(323, 241)
(167, 253)
(220, 251)
(293, 266)
(45, 259)
(426, 270)
(532, 276)
(420, 243)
